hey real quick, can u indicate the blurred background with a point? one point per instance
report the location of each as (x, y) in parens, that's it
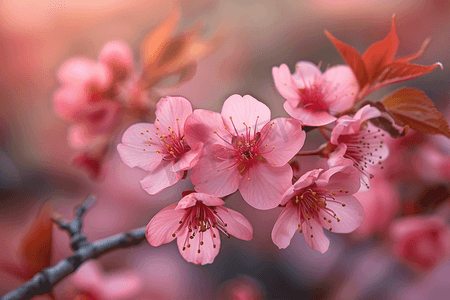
(36, 37)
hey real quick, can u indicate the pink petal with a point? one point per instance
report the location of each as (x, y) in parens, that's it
(342, 125)
(208, 180)
(118, 57)
(306, 180)
(207, 251)
(285, 84)
(209, 200)
(314, 236)
(76, 71)
(161, 178)
(266, 186)
(191, 200)
(337, 156)
(341, 88)
(189, 159)
(350, 215)
(367, 112)
(237, 225)
(342, 177)
(306, 73)
(200, 127)
(285, 226)
(307, 116)
(161, 227)
(283, 138)
(168, 110)
(68, 101)
(79, 136)
(246, 112)
(134, 141)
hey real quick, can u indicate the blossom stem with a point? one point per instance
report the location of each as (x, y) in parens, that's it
(308, 153)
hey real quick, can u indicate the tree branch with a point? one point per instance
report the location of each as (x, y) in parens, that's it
(44, 281)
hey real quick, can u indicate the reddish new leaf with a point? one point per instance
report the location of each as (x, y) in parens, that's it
(381, 53)
(412, 107)
(377, 67)
(397, 72)
(35, 248)
(352, 58)
(164, 55)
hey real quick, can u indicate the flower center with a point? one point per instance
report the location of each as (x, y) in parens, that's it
(173, 144)
(244, 148)
(198, 220)
(312, 204)
(313, 98)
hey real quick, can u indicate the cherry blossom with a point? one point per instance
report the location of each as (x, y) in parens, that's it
(161, 148)
(354, 139)
(319, 199)
(421, 241)
(88, 88)
(196, 221)
(315, 98)
(245, 150)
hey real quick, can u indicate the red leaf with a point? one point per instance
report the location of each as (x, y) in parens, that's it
(412, 107)
(352, 58)
(35, 247)
(397, 72)
(381, 53)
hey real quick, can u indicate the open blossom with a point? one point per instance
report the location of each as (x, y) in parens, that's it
(196, 221)
(312, 97)
(161, 148)
(319, 199)
(354, 139)
(421, 241)
(245, 150)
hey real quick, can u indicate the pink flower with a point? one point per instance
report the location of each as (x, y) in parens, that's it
(244, 150)
(196, 221)
(421, 241)
(312, 97)
(92, 284)
(161, 148)
(319, 199)
(355, 140)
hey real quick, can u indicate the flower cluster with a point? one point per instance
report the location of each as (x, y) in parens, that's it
(243, 148)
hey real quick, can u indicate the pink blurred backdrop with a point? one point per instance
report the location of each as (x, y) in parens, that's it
(37, 36)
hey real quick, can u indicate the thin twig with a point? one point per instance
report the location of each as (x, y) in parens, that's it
(44, 281)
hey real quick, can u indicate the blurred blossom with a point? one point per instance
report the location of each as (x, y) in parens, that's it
(434, 285)
(432, 164)
(90, 282)
(242, 287)
(420, 241)
(381, 204)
